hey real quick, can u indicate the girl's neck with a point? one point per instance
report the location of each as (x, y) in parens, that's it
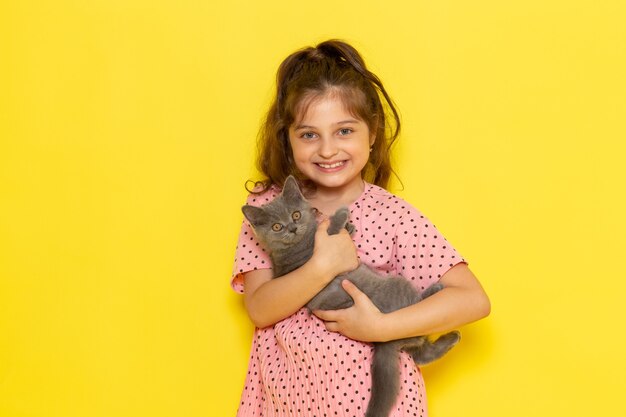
(328, 200)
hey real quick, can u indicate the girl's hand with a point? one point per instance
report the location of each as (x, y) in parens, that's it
(334, 254)
(363, 321)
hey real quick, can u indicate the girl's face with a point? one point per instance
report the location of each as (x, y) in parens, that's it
(331, 146)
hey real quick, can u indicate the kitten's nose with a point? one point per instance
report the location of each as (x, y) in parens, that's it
(292, 228)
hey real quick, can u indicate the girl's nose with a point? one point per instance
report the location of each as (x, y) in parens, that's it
(328, 148)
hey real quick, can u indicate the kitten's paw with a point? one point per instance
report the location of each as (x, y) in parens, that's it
(430, 351)
(449, 339)
(342, 214)
(350, 228)
(338, 220)
(431, 290)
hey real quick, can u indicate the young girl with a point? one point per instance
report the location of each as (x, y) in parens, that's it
(328, 127)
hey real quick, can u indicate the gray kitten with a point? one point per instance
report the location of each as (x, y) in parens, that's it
(286, 226)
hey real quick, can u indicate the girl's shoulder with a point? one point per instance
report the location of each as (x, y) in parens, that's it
(258, 196)
(379, 199)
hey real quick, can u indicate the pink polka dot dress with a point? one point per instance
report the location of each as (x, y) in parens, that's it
(297, 368)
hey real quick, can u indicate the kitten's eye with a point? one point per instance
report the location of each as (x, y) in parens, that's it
(277, 227)
(296, 215)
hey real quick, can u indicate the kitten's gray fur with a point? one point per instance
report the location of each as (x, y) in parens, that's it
(292, 246)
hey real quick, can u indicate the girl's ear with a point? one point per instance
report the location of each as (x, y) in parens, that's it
(255, 215)
(373, 135)
(372, 141)
(291, 191)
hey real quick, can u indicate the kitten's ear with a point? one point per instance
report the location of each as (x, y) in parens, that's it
(255, 215)
(291, 191)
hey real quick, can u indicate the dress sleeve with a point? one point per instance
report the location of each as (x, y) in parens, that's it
(423, 255)
(249, 254)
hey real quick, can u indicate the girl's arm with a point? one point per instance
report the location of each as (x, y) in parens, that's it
(462, 301)
(271, 300)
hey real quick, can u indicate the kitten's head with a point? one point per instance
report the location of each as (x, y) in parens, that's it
(285, 220)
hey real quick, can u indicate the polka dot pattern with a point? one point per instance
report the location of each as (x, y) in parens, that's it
(296, 367)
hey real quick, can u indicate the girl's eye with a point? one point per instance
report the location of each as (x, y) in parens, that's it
(308, 135)
(296, 215)
(277, 227)
(345, 131)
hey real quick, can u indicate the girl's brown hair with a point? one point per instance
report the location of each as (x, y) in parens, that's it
(308, 74)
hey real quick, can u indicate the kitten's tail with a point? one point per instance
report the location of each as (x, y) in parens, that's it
(385, 379)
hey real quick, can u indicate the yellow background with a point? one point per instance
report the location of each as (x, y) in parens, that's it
(127, 131)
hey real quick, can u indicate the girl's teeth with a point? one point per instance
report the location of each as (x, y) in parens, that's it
(327, 166)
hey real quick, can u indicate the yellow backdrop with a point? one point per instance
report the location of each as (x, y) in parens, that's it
(127, 130)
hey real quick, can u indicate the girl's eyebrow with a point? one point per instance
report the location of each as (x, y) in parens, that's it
(343, 122)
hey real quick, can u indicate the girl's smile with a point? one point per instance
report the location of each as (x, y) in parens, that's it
(333, 165)
(331, 147)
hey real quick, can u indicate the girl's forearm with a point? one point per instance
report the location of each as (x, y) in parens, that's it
(278, 298)
(446, 310)
(461, 301)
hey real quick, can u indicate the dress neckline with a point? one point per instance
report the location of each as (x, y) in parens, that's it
(366, 190)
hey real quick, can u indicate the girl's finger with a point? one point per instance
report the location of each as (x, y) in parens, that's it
(352, 290)
(332, 326)
(326, 315)
(323, 226)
